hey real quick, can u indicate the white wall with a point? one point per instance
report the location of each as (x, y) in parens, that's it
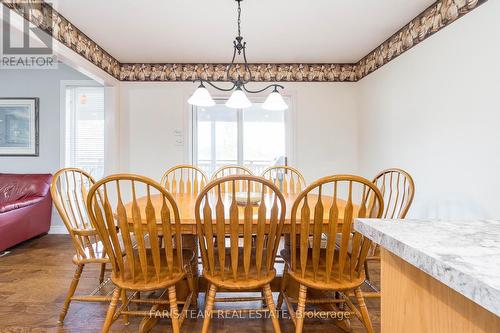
(44, 84)
(324, 116)
(435, 111)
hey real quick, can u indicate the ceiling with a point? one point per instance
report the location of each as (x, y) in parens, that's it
(278, 31)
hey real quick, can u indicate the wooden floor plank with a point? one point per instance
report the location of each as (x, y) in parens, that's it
(35, 275)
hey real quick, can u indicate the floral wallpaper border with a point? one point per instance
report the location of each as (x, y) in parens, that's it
(42, 15)
(260, 72)
(433, 19)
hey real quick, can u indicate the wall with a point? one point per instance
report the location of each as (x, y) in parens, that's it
(324, 117)
(435, 111)
(44, 84)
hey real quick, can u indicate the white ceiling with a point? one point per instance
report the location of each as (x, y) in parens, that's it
(289, 31)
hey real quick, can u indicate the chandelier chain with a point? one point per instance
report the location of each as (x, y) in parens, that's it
(241, 79)
(239, 19)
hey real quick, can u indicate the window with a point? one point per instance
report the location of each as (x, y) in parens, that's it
(254, 137)
(84, 135)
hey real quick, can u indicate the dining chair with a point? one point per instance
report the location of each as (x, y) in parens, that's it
(69, 188)
(148, 266)
(237, 265)
(184, 179)
(332, 268)
(398, 189)
(229, 170)
(289, 180)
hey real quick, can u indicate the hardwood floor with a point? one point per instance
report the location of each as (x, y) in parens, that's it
(35, 275)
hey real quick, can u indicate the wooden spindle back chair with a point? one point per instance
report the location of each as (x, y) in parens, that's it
(69, 189)
(230, 170)
(235, 267)
(319, 210)
(398, 189)
(184, 179)
(288, 179)
(138, 259)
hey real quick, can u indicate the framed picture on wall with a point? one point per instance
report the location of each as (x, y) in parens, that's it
(19, 126)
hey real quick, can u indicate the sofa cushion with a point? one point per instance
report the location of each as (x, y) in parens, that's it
(19, 190)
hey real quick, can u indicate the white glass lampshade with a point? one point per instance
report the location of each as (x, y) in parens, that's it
(201, 97)
(274, 102)
(238, 100)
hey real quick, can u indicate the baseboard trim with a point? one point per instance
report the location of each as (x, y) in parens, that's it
(58, 230)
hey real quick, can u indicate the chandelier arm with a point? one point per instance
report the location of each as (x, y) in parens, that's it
(247, 66)
(228, 75)
(276, 86)
(218, 88)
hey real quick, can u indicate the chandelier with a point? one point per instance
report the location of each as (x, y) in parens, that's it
(238, 99)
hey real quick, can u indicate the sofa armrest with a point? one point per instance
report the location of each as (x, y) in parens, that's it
(7, 207)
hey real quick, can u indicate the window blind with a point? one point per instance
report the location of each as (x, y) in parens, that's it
(85, 129)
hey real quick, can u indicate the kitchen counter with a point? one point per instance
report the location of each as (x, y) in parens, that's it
(463, 256)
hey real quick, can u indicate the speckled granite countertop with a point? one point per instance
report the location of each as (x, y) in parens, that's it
(464, 255)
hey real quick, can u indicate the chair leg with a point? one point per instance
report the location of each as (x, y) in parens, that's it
(301, 306)
(101, 275)
(270, 305)
(71, 292)
(364, 310)
(284, 281)
(124, 301)
(209, 306)
(193, 288)
(367, 273)
(174, 311)
(111, 311)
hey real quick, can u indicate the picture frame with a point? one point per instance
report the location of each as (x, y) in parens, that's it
(19, 126)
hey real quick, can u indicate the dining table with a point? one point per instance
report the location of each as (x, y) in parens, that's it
(186, 203)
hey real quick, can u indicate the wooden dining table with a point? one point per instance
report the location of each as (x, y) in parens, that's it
(186, 205)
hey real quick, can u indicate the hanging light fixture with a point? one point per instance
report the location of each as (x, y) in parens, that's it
(238, 99)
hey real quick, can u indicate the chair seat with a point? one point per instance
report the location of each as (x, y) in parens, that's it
(166, 277)
(346, 283)
(243, 282)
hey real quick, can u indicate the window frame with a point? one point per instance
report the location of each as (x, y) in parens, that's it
(289, 129)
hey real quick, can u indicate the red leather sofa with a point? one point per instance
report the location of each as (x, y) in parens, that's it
(25, 207)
